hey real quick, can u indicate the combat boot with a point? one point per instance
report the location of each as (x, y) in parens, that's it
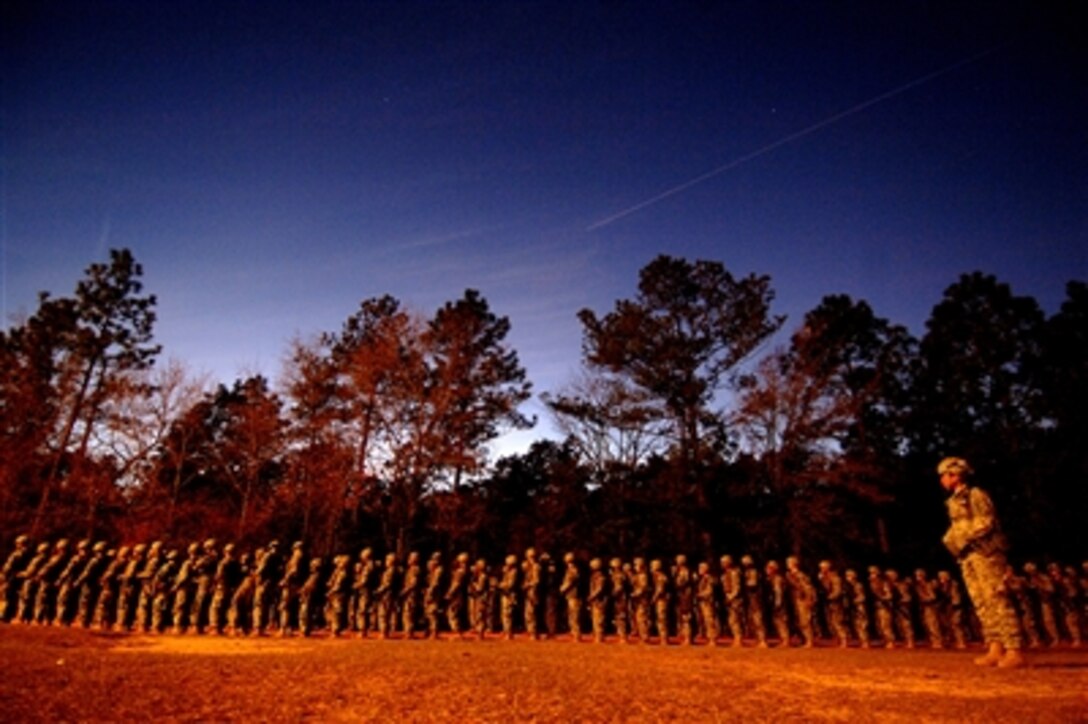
(1012, 659)
(992, 656)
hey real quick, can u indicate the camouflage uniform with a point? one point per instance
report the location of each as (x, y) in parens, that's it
(777, 586)
(754, 600)
(641, 590)
(146, 598)
(903, 592)
(204, 577)
(950, 608)
(337, 595)
(1068, 592)
(385, 596)
(975, 539)
(455, 593)
(732, 580)
(597, 598)
(530, 591)
(64, 608)
(803, 595)
(619, 586)
(162, 584)
(228, 576)
(705, 584)
(549, 595)
(362, 588)
(684, 591)
(660, 597)
(307, 597)
(508, 590)
(46, 594)
(109, 585)
(857, 601)
(479, 588)
(926, 592)
(409, 594)
(290, 582)
(9, 576)
(241, 601)
(1043, 588)
(432, 595)
(266, 574)
(834, 602)
(128, 591)
(28, 584)
(1021, 599)
(184, 589)
(569, 590)
(883, 605)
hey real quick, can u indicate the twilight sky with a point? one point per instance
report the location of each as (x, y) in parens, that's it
(272, 164)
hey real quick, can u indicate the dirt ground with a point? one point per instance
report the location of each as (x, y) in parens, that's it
(54, 674)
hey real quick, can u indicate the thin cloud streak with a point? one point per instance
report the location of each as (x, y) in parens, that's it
(807, 131)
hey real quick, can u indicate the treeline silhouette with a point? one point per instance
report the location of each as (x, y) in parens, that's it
(685, 431)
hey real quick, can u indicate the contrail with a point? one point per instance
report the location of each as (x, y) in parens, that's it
(791, 137)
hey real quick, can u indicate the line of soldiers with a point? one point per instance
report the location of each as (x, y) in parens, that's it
(211, 590)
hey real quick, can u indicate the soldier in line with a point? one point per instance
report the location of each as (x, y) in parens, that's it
(227, 578)
(1020, 597)
(455, 594)
(162, 585)
(1042, 587)
(883, 605)
(28, 579)
(834, 602)
(705, 599)
(308, 593)
(1066, 584)
(63, 606)
(362, 591)
(128, 590)
(619, 586)
(549, 594)
(432, 595)
(641, 595)
(9, 575)
(508, 595)
(950, 608)
(184, 589)
(597, 599)
(530, 592)
(109, 585)
(683, 587)
(777, 585)
(146, 597)
(733, 598)
(45, 598)
(926, 593)
(409, 594)
(385, 596)
(903, 594)
(337, 595)
(290, 581)
(857, 601)
(754, 600)
(803, 596)
(239, 616)
(661, 599)
(479, 588)
(569, 590)
(266, 575)
(974, 538)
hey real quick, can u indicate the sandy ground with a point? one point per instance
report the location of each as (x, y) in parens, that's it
(75, 675)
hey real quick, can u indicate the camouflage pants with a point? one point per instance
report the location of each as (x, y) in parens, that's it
(735, 619)
(362, 613)
(983, 576)
(710, 620)
(597, 611)
(335, 612)
(160, 606)
(661, 618)
(904, 623)
(952, 622)
(453, 614)
(408, 614)
(884, 624)
(182, 599)
(433, 612)
(860, 620)
(508, 604)
(619, 618)
(1050, 622)
(65, 596)
(574, 617)
(217, 609)
(932, 625)
(836, 621)
(530, 615)
(803, 610)
(683, 625)
(642, 620)
(754, 606)
(781, 625)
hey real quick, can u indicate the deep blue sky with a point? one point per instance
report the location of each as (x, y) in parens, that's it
(272, 164)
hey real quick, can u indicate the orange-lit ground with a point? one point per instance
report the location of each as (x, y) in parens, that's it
(75, 675)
